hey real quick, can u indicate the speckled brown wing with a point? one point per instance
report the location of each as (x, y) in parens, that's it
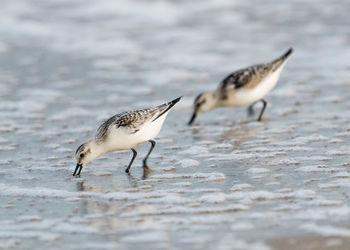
(248, 77)
(251, 76)
(165, 107)
(131, 120)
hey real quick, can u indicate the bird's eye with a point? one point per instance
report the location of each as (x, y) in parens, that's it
(81, 155)
(200, 104)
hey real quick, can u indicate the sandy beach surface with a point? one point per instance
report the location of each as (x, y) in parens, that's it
(228, 182)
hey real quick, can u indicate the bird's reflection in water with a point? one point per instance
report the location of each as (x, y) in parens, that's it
(200, 133)
(80, 186)
(240, 131)
(146, 172)
(92, 203)
(134, 181)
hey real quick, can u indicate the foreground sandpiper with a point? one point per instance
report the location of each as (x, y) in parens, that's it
(124, 131)
(243, 87)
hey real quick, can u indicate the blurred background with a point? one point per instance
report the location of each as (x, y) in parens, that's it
(226, 183)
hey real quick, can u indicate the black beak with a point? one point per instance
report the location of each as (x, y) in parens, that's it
(192, 119)
(78, 169)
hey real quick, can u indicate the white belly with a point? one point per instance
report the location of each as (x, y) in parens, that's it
(121, 138)
(246, 96)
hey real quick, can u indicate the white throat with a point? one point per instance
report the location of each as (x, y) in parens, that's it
(96, 149)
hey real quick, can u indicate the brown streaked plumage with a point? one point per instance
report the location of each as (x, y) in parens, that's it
(243, 87)
(124, 131)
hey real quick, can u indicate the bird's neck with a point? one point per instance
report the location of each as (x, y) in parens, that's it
(96, 148)
(215, 99)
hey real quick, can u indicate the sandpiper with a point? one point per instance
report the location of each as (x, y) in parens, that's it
(124, 131)
(243, 87)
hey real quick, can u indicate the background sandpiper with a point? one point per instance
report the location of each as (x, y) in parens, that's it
(243, 87)
(124, 131)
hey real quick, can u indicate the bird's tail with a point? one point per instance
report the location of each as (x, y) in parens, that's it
(166, 107)
(276, 64)
(286, 55)
(173, 102)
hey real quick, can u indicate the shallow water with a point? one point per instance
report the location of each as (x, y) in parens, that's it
(226, 183)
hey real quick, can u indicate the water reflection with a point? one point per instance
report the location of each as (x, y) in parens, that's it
(80, 186)
(241, 131)
(132, 180)
(146, 172)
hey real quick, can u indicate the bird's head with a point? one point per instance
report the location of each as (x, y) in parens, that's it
(204, 102)
(85, 153)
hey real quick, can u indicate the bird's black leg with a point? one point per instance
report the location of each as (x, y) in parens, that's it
(262, 110)
(149, 152)
(132, 160)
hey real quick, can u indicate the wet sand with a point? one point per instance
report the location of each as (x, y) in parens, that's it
(228, 182)
(311, 242)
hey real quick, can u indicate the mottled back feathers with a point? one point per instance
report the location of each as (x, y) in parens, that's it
(251, 76)
(133, 120)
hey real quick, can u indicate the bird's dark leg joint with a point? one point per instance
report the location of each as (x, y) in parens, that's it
(153, 143)
(132, 160)
(262, 110)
